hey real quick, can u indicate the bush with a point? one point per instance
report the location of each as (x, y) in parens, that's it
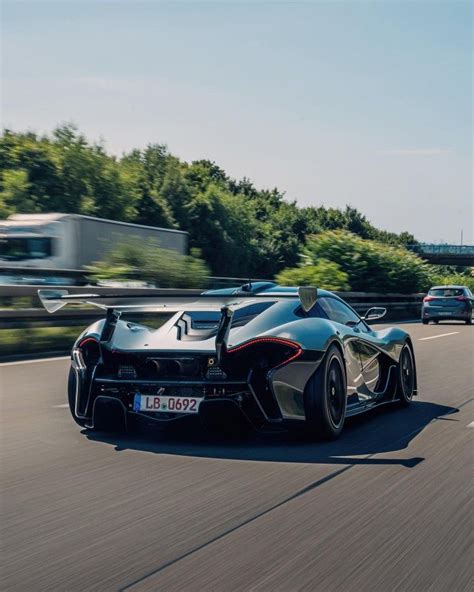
(456, 279)
(324, 274)
(366, 265)
(32, 340)
(151, 264)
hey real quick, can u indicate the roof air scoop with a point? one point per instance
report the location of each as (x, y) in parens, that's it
(308, 296)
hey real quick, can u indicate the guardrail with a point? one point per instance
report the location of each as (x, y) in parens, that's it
(48, 276)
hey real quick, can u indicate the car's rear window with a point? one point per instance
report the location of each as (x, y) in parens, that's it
(446, 292)
(209, 319)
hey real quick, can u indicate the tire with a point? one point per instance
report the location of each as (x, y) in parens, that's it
(425, 321)
(325, 397)
(436, 321)
(469, 321)
(406, 376)
(71, 396)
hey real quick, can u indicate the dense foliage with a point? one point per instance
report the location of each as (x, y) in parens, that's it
(153, 265)
(454, 278)
(341, 260)
(322, 273)
(240, 231)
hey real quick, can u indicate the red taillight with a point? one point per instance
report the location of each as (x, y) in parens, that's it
(428, 298)
(89, 349)
(296, 350)
(460, 298)
(264, 340)
(87, 340)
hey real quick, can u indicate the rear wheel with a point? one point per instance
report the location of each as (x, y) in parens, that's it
(469, 321)
(425, 321)
(406, 376)
(326, 397)
(71, 396)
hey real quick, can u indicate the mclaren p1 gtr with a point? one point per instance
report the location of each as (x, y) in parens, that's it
(260, 353)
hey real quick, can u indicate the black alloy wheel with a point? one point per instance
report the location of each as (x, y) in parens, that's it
(336, 394)
(325, 397)
(406, 376)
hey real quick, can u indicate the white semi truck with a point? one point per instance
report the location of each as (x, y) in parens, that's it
(73, 241)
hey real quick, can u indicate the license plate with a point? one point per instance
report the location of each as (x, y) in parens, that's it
(164, 404)
(444, 313)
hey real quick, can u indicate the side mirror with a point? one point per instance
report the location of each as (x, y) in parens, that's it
(375, 313)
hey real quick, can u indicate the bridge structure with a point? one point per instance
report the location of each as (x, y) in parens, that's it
(445, 254)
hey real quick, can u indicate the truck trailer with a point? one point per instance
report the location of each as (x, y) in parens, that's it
(72, 241)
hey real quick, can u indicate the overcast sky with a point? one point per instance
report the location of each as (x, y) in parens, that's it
(337, 102)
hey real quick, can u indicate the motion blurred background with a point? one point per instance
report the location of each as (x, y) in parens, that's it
(223, 143)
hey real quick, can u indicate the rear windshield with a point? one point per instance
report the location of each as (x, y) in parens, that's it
(210, 319)
(446, 292)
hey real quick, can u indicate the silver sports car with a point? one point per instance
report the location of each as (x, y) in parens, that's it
(259, 353)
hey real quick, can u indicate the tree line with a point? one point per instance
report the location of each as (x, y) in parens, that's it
(238, 229)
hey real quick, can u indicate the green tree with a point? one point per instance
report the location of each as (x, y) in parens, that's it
(146, 172)
(15, 193)
(224, 229)
(91, 180)
(35, 157)
(241, 230)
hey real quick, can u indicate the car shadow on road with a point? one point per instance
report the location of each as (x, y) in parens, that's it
(385, 430)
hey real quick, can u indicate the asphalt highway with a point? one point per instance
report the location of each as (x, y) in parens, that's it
(387, 507)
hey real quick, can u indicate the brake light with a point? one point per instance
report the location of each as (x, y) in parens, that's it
(87, 340)
(88, 350)
(428, 298)
(296, 350)
(460, 298)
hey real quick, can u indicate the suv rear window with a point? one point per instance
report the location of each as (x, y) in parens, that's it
(446, 292)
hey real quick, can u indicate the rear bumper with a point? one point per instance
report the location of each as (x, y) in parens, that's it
(222, 402)
(263, 398)
(110, 414)
(430, 313)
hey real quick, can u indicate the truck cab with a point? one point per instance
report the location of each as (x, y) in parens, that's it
(33, 240)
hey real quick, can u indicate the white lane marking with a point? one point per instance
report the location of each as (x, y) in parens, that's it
(64, 406)
(436, 336)
(34, 361)
(470, 425)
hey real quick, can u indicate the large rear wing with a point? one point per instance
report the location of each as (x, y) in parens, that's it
(171, 301)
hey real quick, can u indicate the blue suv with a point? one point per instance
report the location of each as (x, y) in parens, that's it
(447, 303)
